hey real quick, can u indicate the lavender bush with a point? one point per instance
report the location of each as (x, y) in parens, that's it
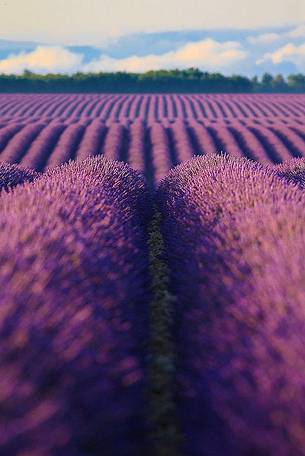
(235, 243)
(73, 280)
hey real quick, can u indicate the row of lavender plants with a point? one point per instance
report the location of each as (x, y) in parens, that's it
(235, 243)
(74, 293)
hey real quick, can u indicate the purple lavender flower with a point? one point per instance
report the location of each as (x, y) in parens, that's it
(293, 171)
(12, 175)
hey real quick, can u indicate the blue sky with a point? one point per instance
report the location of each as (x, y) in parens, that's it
(231, 36)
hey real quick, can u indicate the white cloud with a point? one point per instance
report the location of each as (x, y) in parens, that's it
(298, 32)
(207, 54)
(272, 37)
(264, 38)
(42, 60)
(289, 53)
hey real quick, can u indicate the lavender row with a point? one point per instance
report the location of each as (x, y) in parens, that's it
(19, 144)
(235, 242)
(42, 147)
(74, 280)
(66, 146)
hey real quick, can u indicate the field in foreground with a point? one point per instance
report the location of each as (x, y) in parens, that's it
(167, 322)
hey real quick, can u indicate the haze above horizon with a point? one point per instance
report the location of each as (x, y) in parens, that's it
(241, 36)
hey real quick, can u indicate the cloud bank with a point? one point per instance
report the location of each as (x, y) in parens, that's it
(248, 53)
(208, 55)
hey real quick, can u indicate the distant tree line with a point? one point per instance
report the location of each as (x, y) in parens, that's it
(189, 80)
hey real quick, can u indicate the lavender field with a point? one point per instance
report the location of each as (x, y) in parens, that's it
(152, 133)
(152, 292)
